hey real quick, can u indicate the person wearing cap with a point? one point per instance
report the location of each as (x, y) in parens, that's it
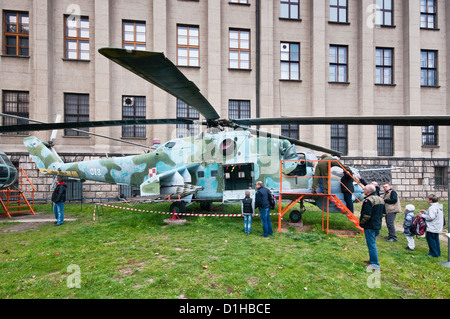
(409, 216)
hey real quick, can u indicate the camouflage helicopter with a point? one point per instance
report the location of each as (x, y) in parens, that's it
(218, 165)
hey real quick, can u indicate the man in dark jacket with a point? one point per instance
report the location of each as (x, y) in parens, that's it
(264, 201)
(347, 189)
(58, 199)
(372, 212)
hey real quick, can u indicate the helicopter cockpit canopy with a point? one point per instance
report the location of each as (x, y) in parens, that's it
(8, 173)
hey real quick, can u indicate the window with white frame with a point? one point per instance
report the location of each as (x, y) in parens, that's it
(76, 40)
(188, 45)
(134, 35)
(239, 49)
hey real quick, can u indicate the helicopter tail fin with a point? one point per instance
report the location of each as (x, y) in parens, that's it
(45, 159)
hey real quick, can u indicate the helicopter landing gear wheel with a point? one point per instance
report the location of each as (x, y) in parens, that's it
(295, 216)
(178, 207)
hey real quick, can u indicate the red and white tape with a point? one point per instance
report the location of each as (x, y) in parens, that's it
(169, 213)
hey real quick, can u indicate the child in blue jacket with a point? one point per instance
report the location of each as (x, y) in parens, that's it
(409, 216)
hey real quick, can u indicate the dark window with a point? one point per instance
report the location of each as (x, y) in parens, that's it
(185, 111)
(428, 68)
(440, 175)
(338, 63)
(16, 103)
(385, 140)
(338, 11)
(290, 130)
(384, 66)
(290, 61)
(429, 135)
(339, 138)
(290, 9)
(76, 109)
(238, 109)
(385, 12)
(428, 12)
(133, 108)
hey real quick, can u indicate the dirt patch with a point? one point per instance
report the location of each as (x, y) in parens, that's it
(20, 223)
(20, 228)
(299, 227)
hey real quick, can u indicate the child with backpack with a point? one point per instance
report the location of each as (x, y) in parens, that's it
(407, 222)
(248, 210)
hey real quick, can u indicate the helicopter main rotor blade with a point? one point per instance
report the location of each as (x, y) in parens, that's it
(292, 140)
(395, 120)
(160, 71)
(74, 125)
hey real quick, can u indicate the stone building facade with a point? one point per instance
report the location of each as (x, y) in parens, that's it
(250, 58)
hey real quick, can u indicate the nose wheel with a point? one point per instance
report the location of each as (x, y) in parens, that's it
(296, 215)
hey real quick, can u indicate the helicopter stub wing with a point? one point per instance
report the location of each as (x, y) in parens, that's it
(176, 182)
(160, 71)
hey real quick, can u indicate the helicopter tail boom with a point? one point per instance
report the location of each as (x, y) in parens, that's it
(47, 161)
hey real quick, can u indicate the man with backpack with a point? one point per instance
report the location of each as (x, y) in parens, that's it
(264, 201)
(434, 218)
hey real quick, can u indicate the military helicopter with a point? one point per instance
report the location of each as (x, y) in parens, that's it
(218, 165)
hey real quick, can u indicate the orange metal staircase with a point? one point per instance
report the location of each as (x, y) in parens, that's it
(14, 201)
(339, 204)
(296, 197)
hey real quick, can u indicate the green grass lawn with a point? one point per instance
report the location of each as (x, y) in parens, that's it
(136, 255)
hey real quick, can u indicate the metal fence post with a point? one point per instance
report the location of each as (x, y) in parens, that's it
(447, 263)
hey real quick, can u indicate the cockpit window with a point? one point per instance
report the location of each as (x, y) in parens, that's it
(170, 144)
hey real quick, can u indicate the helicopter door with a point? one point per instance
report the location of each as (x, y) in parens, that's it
(238, 178)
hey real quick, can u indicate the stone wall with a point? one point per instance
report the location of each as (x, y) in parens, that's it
(413, 179)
